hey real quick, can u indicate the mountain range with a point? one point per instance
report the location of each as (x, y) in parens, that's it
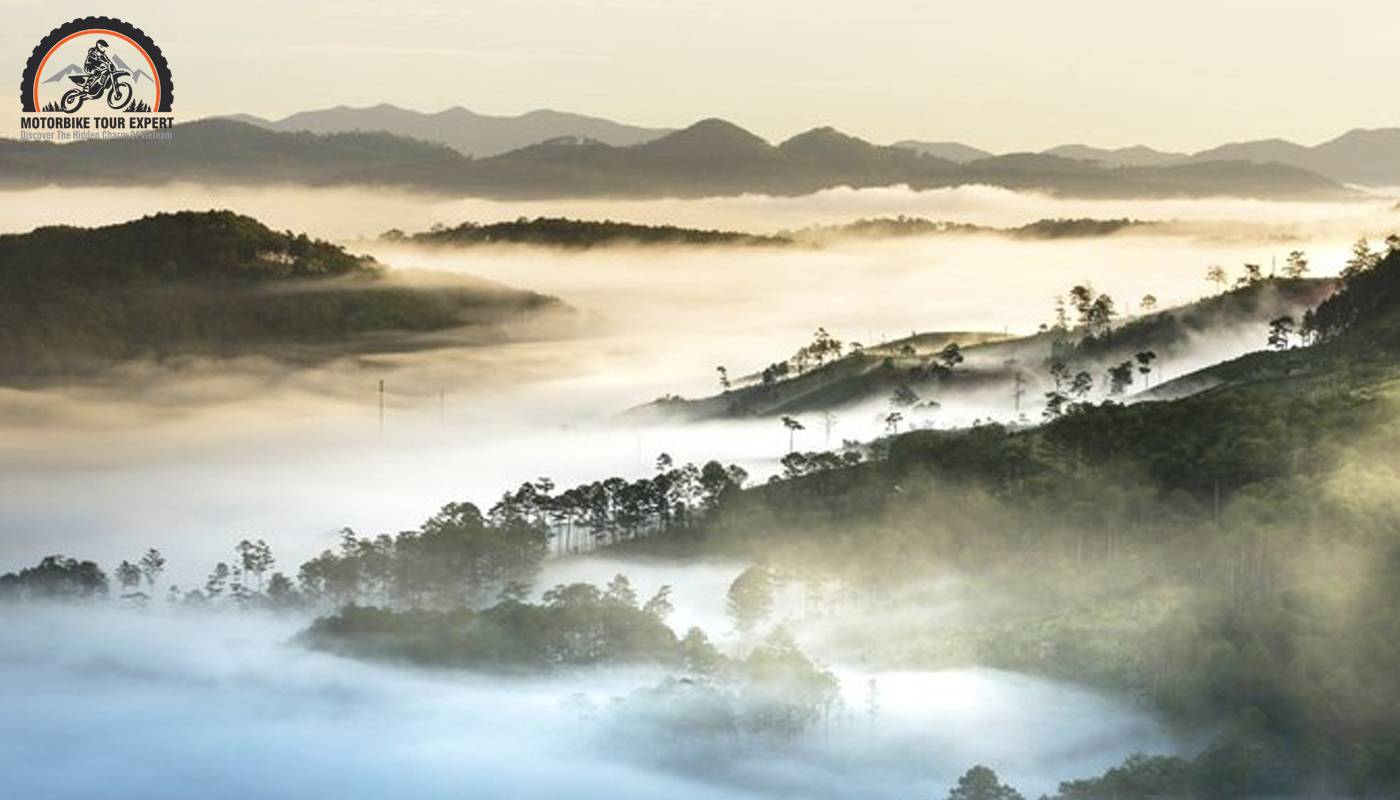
(1365, 157)
(467, 132)
(710, 158)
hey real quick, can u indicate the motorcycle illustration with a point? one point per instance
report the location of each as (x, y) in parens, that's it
(118, 91)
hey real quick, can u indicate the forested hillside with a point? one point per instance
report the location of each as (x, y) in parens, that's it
(1230, 557)
(212, 284)
(1008, 373)
(576, 235)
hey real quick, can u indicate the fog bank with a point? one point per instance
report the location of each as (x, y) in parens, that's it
(155, 704)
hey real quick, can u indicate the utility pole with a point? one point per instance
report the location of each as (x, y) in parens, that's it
(381, 405)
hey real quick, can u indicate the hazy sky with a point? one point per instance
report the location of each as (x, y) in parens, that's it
(1003, 74)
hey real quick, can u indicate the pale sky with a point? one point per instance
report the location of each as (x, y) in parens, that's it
(1003, 75)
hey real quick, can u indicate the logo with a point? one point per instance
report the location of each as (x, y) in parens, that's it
(96, 77)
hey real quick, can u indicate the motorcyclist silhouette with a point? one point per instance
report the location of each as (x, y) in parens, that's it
(99, 67)
(101, 77)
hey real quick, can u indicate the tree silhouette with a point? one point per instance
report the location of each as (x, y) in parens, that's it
(1216, 274)
(1362, 259)
(152, 565)
(217, 582)
(1296, 265)
(255, 559)
(981, 783)
(793, 426)
(1055, 399)
(1144, 361)
(1120, 378)
(1082, 298)
(128, 575)
(1253, 274)
(1101, 314)
(1281, 332)
(1081, 384)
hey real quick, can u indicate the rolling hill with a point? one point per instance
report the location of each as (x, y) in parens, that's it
(578, 235)
(905, 373)
(76, 301)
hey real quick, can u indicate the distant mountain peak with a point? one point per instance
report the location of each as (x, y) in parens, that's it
(949, 151)
(712, 136)
(711, 126)
(825, 135)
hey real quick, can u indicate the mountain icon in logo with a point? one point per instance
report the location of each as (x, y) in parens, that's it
(74, 69)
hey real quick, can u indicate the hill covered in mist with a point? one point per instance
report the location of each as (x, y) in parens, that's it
(574, 234)
(216, 284)
(906, 226)
(921, 375)
(1228, 557)
(577, 234)
(709, 158)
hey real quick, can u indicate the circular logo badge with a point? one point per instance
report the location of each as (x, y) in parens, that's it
(96, 65)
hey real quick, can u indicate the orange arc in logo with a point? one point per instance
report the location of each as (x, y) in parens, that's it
(40, 72)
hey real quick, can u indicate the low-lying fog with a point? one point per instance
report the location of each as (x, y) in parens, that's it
(161, 703)
(193, 461)
(158, 703)
(347, 213)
